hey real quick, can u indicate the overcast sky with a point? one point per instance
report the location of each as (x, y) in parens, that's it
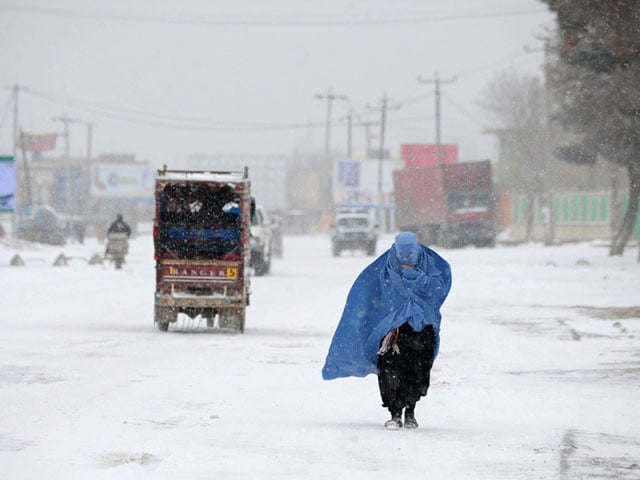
(166, 79)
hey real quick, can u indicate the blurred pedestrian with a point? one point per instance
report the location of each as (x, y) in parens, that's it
(119, 226)
(390, 326)
(78, 230)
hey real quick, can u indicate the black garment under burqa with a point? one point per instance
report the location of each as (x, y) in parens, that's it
(404, 373)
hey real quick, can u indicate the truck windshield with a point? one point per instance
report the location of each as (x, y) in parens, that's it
(198, 221)
(469, 202)
(353, 222)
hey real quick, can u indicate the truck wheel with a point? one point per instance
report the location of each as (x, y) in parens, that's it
(371, 249)
(210, 315)
(487, 243)
(261, 264)
(233, 319)
(267, 265)
(241, 319)
(163, 316)
(444, 240)
(335, 250)
(118, 261)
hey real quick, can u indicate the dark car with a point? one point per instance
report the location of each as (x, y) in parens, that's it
(41, 224)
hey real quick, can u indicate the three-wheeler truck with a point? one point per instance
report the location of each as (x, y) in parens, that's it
(201, 238)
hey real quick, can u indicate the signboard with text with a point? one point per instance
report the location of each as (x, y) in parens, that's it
(359, 181)
(121, 181)
(38, 142)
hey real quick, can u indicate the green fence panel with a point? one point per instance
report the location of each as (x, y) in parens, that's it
(580, 209)
(594, 213)
(556, 208)
(604, 208)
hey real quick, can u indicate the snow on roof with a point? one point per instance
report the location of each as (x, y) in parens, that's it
(201, 176)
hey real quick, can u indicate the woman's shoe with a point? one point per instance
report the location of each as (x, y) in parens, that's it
(410, 420)
(394, 424)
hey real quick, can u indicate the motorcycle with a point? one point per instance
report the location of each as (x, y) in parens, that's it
(117, 248)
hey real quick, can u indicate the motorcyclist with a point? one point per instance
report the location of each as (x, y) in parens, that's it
(117, 248)
(119, 226)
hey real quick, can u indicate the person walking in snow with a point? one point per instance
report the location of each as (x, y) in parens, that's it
(390, 326)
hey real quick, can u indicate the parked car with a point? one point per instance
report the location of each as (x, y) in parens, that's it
(41, 224)
(276, 235)
(261, 240)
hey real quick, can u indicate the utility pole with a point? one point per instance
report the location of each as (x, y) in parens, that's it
(16, 89)
(436, 80)
(367, 132)
(349, 133)
(384, 106)
(383, 120)
(89, 141)
(87, 202)
(350, 124)
(26, 177)
(329, 97)
(66, 121)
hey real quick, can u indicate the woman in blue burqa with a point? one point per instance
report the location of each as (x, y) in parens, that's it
(390, 326)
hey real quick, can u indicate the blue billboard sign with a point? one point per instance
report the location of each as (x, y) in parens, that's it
(7, 184)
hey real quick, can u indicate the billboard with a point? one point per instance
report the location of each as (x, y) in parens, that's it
(268, 174)
(358, 181)
(121, 181)
(38, 142)
(7, 184)
(415, 155)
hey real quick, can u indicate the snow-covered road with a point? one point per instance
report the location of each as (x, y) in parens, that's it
(538, 375)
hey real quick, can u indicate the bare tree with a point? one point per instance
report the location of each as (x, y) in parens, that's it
(516, 106)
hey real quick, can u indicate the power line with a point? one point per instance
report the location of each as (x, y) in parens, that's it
(75, 102)
(513, 54)
(262, 21)
(462, 109)
(154, 119)
(408, 101)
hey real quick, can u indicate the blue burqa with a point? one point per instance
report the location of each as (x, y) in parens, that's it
(407, 283)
